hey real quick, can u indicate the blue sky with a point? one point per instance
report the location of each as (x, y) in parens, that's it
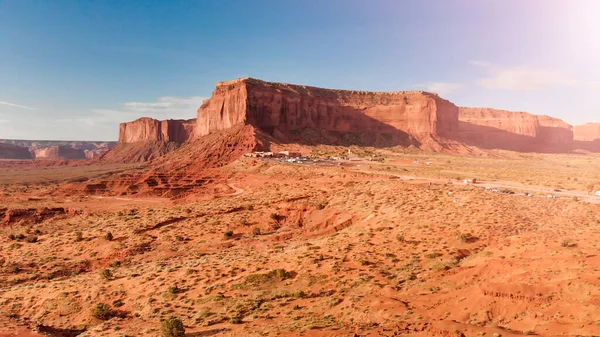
(74, 69)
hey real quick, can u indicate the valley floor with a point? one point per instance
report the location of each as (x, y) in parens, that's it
(272, 249)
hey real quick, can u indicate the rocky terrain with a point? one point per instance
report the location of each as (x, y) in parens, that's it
(275, 249)
(63, 150)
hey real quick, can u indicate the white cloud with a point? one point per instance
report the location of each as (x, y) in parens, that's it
(163, 108)
(165, 104)
(13, 105)
(521, 78)
(441, 88)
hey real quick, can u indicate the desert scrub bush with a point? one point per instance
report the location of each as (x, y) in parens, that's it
(173, 290)
(400, 238)
(321, 206)
(102, 311)
(108, 236)
(433, 255)
(256, 231)
(31, 239)
(257, 280)
(78, 236)
(466, 237)
(106, 274)
(172, 327)
(228, 234)
(276, 217)
(568, 243)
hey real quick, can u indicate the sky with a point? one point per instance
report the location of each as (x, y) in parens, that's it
(75, 69)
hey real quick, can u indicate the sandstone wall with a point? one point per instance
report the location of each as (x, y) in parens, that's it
(10, 151)
(516, 131)
(60, 152)
(587, 132)
(281, 108)
(151, 130)
(520, 123)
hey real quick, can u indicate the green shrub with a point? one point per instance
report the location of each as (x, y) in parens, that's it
(172, 327)
(106, 274)
(102, 311)
(228, 234)
(31, 239)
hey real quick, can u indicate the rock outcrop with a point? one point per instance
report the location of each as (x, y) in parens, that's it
(10, 151)
(288, 113)
(587, 132)
(152, 130)
(284, 110)
(60, 152)
(516, 131)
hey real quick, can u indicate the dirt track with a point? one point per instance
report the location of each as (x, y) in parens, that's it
(581, 195)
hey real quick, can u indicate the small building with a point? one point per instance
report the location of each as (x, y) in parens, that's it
(289, 154)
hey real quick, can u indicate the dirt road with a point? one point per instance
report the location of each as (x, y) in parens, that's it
(505, 185)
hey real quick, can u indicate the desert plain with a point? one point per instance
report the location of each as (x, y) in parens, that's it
(270, 248)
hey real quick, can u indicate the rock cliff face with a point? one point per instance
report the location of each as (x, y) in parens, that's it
(517, 131)
(10, 151)
(288, 113)
(283, 110)
(60, 152)
(587, 132)
(152, 130)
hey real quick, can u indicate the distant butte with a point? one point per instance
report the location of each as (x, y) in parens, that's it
(290, 113)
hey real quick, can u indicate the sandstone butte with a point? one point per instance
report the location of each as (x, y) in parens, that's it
(517, 131)
(150, 130)
(303, 114)
(10, 151)
(61, 152)
(587, 132)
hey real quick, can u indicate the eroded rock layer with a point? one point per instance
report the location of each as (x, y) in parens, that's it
(60, 152)
(517, 131)
(152, 130)
(587, 132)
(284, 109)
(10, 151)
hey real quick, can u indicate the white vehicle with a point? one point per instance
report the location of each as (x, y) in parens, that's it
(598, 193)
